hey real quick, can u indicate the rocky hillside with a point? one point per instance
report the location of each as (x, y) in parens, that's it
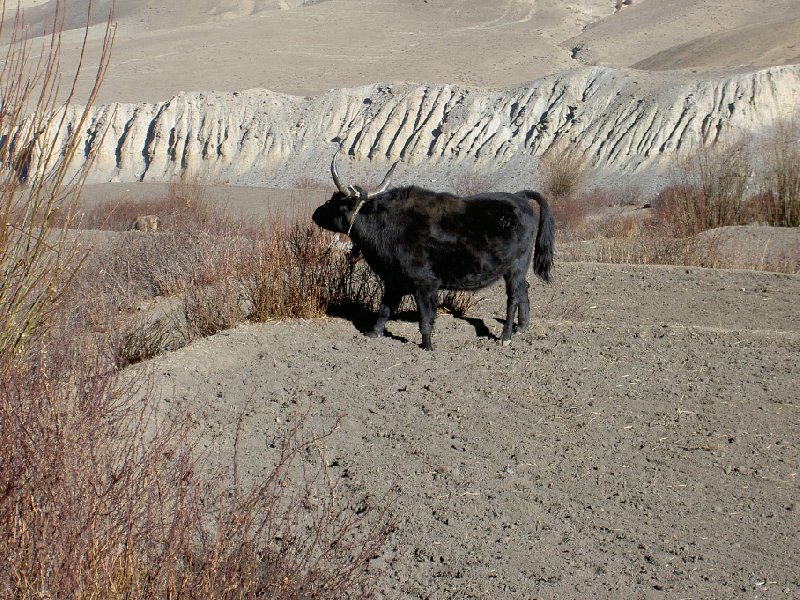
(629, 123)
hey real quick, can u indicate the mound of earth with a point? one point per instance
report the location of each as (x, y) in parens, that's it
(639, 441)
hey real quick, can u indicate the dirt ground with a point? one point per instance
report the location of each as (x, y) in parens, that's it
(639, 441)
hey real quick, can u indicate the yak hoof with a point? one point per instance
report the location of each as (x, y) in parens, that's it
(505, 342)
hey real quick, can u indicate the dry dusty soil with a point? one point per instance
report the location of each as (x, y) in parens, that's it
(639, 441)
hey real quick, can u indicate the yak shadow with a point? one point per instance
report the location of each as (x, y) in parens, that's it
(363, 320)
(481, 330)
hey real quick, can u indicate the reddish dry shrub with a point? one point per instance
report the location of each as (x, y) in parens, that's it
(304, 271)
(102, 496)
(572, 214)
(185, 208)
(779, 198)
(709, 190)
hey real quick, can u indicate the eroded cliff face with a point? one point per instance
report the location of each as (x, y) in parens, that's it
(628, 123)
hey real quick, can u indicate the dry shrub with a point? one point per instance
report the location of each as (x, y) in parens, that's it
(457, 302)
(779, 199)
(710, 187)
(185, 207)
(470, 183)
(620, 196)
(141, 337)
(572, 214)
(292, 271)
(213, 308)
(38, 258)
(102, 496)
(303, 271)
(77, 468)
(563, 170)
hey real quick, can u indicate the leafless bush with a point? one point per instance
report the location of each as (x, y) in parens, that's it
(470, 183)
(185, 207)
(212, 308)
(143, 336)
(571, 214)
(301, 272)
(563, 170)
(779, 200)
(37, 259)
(710, 188)
(104, 496)
(101, 492)
(619, 196)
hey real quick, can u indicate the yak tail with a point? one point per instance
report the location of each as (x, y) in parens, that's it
(543, 249)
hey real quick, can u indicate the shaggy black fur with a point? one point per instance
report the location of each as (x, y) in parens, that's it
(419, 242)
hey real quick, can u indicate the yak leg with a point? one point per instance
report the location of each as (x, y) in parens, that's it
(523, 308)
(517, 302)
(389, 303)
(426, 305)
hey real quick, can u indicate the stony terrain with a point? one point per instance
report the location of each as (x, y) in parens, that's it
(639, 442)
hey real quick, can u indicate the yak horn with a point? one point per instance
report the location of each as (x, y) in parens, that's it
(386, 181)
(335, 175)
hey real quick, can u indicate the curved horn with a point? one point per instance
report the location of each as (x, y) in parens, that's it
(335, 175)
(386, 181)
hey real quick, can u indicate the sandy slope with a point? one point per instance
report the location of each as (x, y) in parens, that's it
(682, 34)
(163, 48)
(639, 442)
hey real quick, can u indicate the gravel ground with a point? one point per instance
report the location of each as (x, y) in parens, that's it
(639, 441)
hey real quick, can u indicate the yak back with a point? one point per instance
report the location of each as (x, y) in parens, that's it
(412, 237)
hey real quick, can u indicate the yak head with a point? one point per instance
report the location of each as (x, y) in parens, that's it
(339, 213)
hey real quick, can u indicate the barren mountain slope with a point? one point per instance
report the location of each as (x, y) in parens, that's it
(679, 34)
(163, 48)
(626, 121)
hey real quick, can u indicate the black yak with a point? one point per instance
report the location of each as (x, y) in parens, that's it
(418, 242)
